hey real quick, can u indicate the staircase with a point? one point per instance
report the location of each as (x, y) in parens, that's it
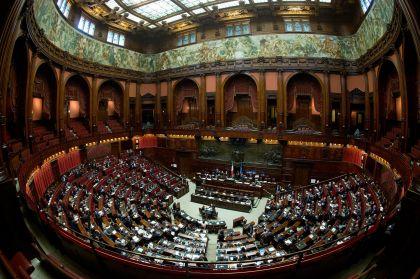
(390, 137)
(415, 151)
(115, 126)
(103, 128)
(79, 129)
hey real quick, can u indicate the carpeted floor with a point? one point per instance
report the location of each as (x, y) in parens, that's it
(192, 209)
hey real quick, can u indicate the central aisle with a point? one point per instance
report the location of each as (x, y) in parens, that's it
(192, 209)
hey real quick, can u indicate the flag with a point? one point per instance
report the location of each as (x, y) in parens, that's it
(232, 170)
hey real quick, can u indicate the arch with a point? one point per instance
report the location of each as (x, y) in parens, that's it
(110, 100)
(233, 75)
(16, 91)
(77, 89)
(240, 101)
(72, 75)
(356, 109)
(175, 83)
(44, 97)
(186, 95)
(412, 72)
(148, 103)
(389, 99)
(304, 100)
(111, 80)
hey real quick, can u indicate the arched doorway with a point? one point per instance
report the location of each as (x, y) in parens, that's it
(15, 98)
(390, 106)
(44, 99)
(304, 102)
(412, 76)
(356, 102)
(241, 102)
(148, 102)
(76, 107)
(110, 107)
(186, 103)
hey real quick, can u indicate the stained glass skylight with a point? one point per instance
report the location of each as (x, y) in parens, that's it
(112, 4)
(158, 9)
(194, 3)
(228, 4)
(198, 11)
(173, 18)
(132, 2)
(152, 13)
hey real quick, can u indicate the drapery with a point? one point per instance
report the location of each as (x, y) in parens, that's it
(68, 161)
(42, 90)
(353, 155)
(185, 93)
(43, 178)
(111, 93)
(76, 90)
(148, 141)
(98, 151)
(304, 88)
(240, 89)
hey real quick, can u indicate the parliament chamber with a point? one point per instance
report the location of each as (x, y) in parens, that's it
(210, 139)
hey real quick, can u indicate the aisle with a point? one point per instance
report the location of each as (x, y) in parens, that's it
(192, 209)
(211, 247)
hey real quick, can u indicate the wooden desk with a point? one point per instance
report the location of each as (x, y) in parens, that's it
(238, 221)
(221, 203)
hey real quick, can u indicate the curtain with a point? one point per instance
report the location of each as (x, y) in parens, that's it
(68, 161)
(43, 178)
(304, 88)
(353, 155)
(235, 90)
(148, 142)
(77, 91)
(111, 93)
(182, 94)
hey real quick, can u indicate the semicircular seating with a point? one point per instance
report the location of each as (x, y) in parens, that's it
(123, 204)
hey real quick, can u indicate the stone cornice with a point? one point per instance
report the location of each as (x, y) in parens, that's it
(370, 58)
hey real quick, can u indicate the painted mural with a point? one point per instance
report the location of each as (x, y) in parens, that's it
(64, 36)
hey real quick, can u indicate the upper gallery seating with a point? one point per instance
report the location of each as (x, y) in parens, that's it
(70, 134)
(78, 128)
(103, 128)
(43, 138)
(125, 204)
(391, 138)
(115, 125)
(110, 126)
(415, 151)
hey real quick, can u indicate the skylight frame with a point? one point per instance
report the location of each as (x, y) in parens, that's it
(158, 9)
(155, 13)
